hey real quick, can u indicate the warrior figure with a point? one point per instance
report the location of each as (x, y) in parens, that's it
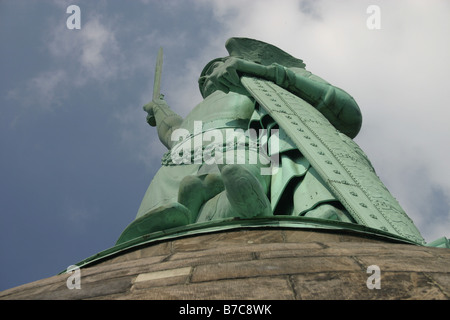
(192, 188)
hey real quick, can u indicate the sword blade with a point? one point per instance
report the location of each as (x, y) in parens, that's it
(158, 70)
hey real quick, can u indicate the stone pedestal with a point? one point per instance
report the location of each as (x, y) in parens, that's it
(280, 264)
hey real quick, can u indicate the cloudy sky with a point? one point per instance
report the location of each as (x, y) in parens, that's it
(76, 152)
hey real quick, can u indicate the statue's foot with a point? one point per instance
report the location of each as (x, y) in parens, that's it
(244, 192)
(162, 218)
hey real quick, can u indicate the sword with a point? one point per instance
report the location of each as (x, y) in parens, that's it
(156, 84)
(157, 81)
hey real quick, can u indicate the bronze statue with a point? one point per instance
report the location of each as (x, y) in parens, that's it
(269, 139)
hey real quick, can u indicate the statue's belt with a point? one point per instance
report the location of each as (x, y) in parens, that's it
(194, 142)
(337, 158)
(197, 155)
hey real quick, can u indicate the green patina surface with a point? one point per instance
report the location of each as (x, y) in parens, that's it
(290, 161)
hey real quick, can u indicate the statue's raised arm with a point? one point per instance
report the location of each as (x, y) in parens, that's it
(159, 114)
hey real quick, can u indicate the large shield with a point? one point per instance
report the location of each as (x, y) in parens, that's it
(337, 158)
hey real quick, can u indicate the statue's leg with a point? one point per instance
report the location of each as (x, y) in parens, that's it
(191, 194)
(213, 185)
(194, 191)
(246, 190)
